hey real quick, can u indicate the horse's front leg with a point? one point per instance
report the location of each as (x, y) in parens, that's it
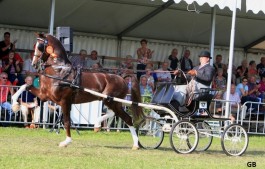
(15, 104)
(37, 92)
(66, 108)
(18, 93)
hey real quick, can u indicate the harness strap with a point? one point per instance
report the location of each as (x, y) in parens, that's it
(76, 81)
(77, 78)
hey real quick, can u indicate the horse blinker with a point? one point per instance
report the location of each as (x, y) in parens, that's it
(41, 47)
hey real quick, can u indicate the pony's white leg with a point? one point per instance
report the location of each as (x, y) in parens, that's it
(18, 93)
(109, 114)
(135, 138)
(66, 142)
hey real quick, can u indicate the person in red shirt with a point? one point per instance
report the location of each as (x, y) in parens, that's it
(5, 88)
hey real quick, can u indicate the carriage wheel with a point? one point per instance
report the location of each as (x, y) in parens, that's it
(150, 133)
(184, 137)
(205, 135)
(234, 140)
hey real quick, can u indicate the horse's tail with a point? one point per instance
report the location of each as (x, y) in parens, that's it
(137, 111)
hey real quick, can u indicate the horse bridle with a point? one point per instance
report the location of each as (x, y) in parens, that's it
(42, 48)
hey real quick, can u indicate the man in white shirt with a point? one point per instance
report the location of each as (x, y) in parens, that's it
(235, 104)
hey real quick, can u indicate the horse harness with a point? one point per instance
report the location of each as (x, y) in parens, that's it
(44, 47)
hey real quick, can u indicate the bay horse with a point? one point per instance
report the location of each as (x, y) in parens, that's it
(58, 76)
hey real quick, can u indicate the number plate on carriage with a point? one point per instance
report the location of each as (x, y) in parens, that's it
(202, 104)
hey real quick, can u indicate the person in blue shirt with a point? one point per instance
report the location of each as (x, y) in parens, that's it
(242, 88)
(29, 104)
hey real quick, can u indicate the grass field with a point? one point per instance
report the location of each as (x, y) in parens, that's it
(25, 148)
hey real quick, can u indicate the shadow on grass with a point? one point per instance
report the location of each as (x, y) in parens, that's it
(255, 153)
(118, 147)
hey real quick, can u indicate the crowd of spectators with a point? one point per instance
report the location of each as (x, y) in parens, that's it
(248, 79)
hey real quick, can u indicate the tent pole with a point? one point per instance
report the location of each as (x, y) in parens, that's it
(52, 17)
(231, 52)
(213, 19)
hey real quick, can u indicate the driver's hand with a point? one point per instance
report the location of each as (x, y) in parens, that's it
(192, 72)
(176, 72)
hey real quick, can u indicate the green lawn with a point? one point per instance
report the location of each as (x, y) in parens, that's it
(26, 148)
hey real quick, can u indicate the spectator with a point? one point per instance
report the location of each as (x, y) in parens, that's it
(261, 67)
(36, 82)
(146, 92)
(79, 60)
(252, 69)
(186, 63)
(28, 69)
(262, 89)
(242, 88)
(114, 70)
(163, 75)
(216, 107)
(6, 45)
(262, 85)
(219, 80)
(95, 66)
(219, 65)
(150, 78)
(145, 88)
(29, 104)
(13, 68)
(235, 105)
(252, 93)
(143, 53)
(173, 59)
(5, 88)
(253, 88)
(92, 59)
(127, 64)
(149, 66)
(242, 71)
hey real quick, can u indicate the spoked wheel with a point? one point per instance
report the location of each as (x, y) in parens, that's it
(234, 140)
(150, 133)
(184, 137)
(205, 135)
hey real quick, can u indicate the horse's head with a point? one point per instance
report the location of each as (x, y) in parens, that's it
(47, 47)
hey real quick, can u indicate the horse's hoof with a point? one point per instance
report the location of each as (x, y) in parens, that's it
(32, 126)
(62, 144)
(97, 129)
(135, 148)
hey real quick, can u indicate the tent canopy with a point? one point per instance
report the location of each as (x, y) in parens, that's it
(140, 18)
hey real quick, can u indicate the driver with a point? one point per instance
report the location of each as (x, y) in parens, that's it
(201, 77)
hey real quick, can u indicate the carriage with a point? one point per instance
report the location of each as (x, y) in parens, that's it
(189, 129)
(65, 85)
